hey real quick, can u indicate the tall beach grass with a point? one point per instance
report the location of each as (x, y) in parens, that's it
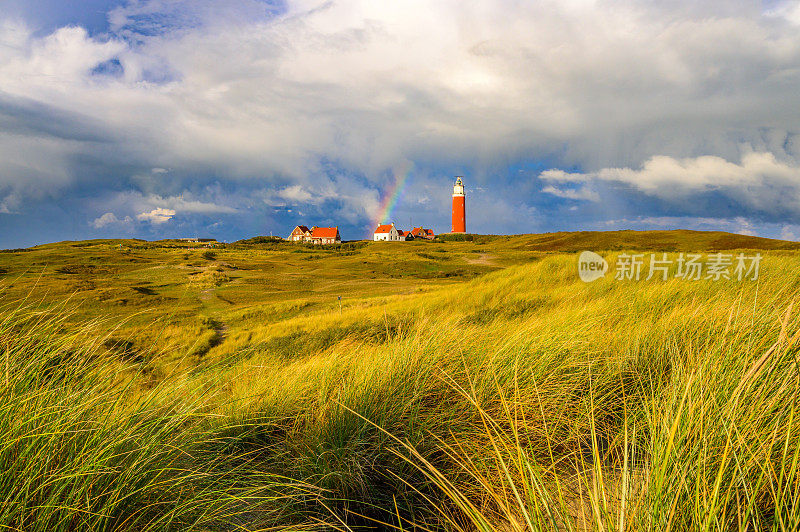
(521, 400)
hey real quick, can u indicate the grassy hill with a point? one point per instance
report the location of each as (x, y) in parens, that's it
(676, 240)
(469, 385)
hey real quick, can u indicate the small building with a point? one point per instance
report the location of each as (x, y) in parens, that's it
(301, 233)
(325, 235)
(197, 239)
(421, 232)
(387, 232)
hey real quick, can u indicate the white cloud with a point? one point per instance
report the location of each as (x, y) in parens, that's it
(9, 203)
(54, 62)
(667, 176)
(787, 10)
(156, 216)
(759, 181)
(183, 203)
(109, 218)
(357, 200)
(369, 83)
(582, 193)
(236, 92)
(295, 193)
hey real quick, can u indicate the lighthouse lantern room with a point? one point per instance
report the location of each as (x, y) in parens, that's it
(459, 208)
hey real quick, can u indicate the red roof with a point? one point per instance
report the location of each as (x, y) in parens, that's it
(325, 232)
(401, 232)
(421, 231)
(386, 228)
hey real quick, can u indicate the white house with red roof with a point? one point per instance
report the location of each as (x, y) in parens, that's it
(388, 232)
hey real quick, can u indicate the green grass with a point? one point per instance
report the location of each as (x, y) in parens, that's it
(464, 385)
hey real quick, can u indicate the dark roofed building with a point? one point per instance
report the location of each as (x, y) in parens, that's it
(301, 233)
(421, 232)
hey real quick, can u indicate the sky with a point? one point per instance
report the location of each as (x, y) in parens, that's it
(178, 118)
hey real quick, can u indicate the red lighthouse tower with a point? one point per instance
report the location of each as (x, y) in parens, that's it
(459, 207)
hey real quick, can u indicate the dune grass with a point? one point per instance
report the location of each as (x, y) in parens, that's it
(522, 399)
(82, 449)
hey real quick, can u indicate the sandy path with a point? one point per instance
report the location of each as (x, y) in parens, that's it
(484, 259)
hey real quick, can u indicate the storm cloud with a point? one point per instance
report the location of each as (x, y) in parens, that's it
(269, 115)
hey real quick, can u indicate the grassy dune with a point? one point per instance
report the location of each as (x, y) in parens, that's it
(475, 385)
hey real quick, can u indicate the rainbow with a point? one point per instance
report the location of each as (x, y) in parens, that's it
(393, 195)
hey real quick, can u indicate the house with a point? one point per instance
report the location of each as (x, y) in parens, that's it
(301, 233)
(325, 235)
(387, 232)
(197, 239)
(421, 232)
(315, 235)
(405, 235)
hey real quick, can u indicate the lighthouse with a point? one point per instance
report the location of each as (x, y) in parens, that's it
(459, 207)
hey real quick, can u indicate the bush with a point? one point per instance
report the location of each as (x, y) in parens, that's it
(456, 237)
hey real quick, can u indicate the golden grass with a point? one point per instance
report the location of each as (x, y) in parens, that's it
(522, 399)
